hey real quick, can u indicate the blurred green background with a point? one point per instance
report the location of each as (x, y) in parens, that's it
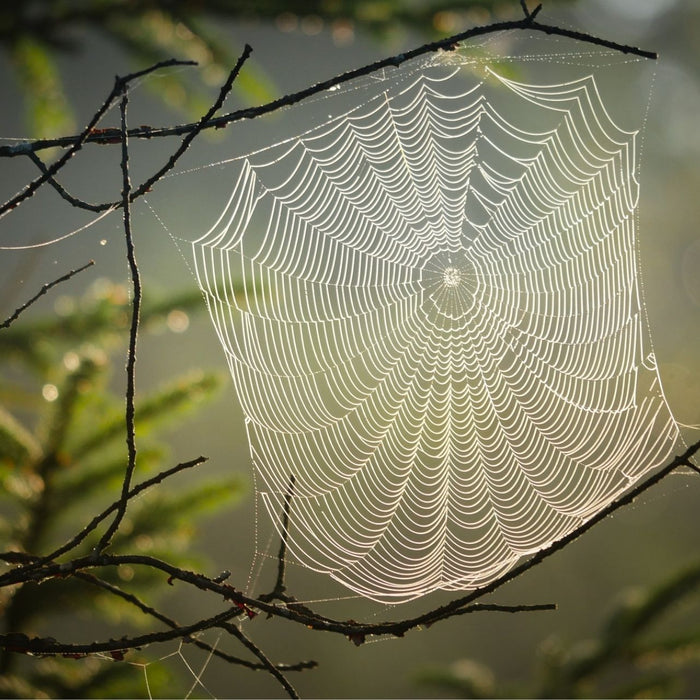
(72, 68)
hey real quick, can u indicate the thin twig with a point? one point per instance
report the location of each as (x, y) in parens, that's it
(21, 643)
(128, 597)
(71, 199)
(116, 135)
(45, 288)
(278, 592)
(201, 124)
(33, 562)
(130, 414)
(529, 16)
(75, 143)
(495, 607)
(237, 632)
(527, 23)
(148, 610)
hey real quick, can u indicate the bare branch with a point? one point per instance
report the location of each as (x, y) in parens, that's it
(34, 562)
(127, 198)
(148, 610)
(128, 597)
(237, 632)
(43, 646)
(682, 460)
(529, 16)
(355, 631)
(72, 200)
(278, 592)
(114, 135)
(34, 568)
(693, 466)
(134, 326)
(75, 143)
(45, 288)
(108, 136)
(349, 628)
(494, 607)
(201, 124)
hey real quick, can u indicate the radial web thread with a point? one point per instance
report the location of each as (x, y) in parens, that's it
(441, 335)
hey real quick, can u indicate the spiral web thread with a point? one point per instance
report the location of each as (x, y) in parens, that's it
(441, 335)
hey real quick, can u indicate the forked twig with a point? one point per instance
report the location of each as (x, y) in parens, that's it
(204, 646)
(278, 592)
(32, 563)
(127, 198)
(86, 136)
(63, 192)
(194, 132)
(109, 136)
(530, 16)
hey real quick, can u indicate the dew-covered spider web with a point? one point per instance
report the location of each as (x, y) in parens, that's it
(429, 299)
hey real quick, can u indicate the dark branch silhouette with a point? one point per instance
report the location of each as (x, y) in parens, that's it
(130, 415)
(149, 610)
(45, 646)
(278, 592)
(107, 136)
(79, 537)
(77, 142)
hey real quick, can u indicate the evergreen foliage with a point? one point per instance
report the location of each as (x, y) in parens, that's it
(648, 647)
(62, 459)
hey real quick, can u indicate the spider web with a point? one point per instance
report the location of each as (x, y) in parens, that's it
(441, 335)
